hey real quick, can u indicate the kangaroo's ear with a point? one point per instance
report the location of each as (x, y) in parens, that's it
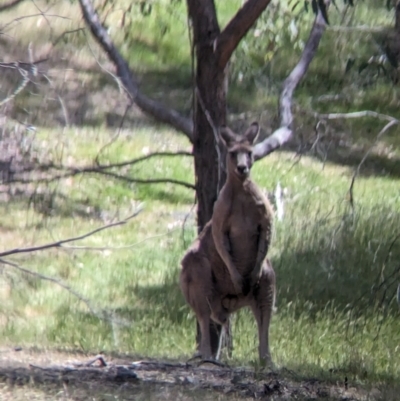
(252, 132)
(227, 135)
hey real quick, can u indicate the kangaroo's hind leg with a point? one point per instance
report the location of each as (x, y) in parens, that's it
(262, 306)
(196, 284)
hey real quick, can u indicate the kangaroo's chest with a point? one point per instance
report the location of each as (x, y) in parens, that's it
(244, 224)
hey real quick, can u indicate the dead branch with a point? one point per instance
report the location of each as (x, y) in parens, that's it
(58, 244)
(357, 171)
(237, 28)
(150, 106)
(356, 114)
(285, 132)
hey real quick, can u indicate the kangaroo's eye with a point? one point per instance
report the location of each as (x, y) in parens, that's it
(233, 154)
(250, 154)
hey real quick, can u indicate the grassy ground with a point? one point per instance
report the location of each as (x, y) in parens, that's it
(328, 260)
(337, 267)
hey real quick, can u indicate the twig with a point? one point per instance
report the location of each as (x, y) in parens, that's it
(59, 243)
(68, 32)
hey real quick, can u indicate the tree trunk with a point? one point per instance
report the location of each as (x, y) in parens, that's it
(209, 114)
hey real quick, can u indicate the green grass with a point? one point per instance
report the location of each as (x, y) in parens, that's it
(327, 259)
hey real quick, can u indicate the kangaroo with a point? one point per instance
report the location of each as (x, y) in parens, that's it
(226, 268)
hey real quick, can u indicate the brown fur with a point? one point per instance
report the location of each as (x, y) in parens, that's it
(226, 268)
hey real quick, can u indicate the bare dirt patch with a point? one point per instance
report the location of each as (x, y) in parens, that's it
(57, 375)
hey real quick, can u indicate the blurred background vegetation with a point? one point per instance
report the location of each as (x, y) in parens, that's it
(338, 266)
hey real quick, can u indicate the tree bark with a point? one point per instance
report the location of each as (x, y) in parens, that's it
(210, 107)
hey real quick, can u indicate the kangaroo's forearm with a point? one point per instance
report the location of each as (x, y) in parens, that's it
(261, 253)
(223, 247)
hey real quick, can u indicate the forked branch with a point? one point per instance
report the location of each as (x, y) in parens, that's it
(129, 81)
(285, 132)
(237, 28)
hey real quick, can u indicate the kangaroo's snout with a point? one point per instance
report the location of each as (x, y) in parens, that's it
(242, 163)
(243, 170)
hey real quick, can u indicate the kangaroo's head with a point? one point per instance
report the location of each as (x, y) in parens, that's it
(240, 150)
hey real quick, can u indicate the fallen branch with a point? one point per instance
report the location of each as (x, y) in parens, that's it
(59, 243)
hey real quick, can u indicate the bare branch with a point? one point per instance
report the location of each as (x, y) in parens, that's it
(149, 106)
(115, 248)
(237, 28)
(69, 171)
(72, 172)
(59, 243)
(284, 133)
(353, 180)
(355, 114)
